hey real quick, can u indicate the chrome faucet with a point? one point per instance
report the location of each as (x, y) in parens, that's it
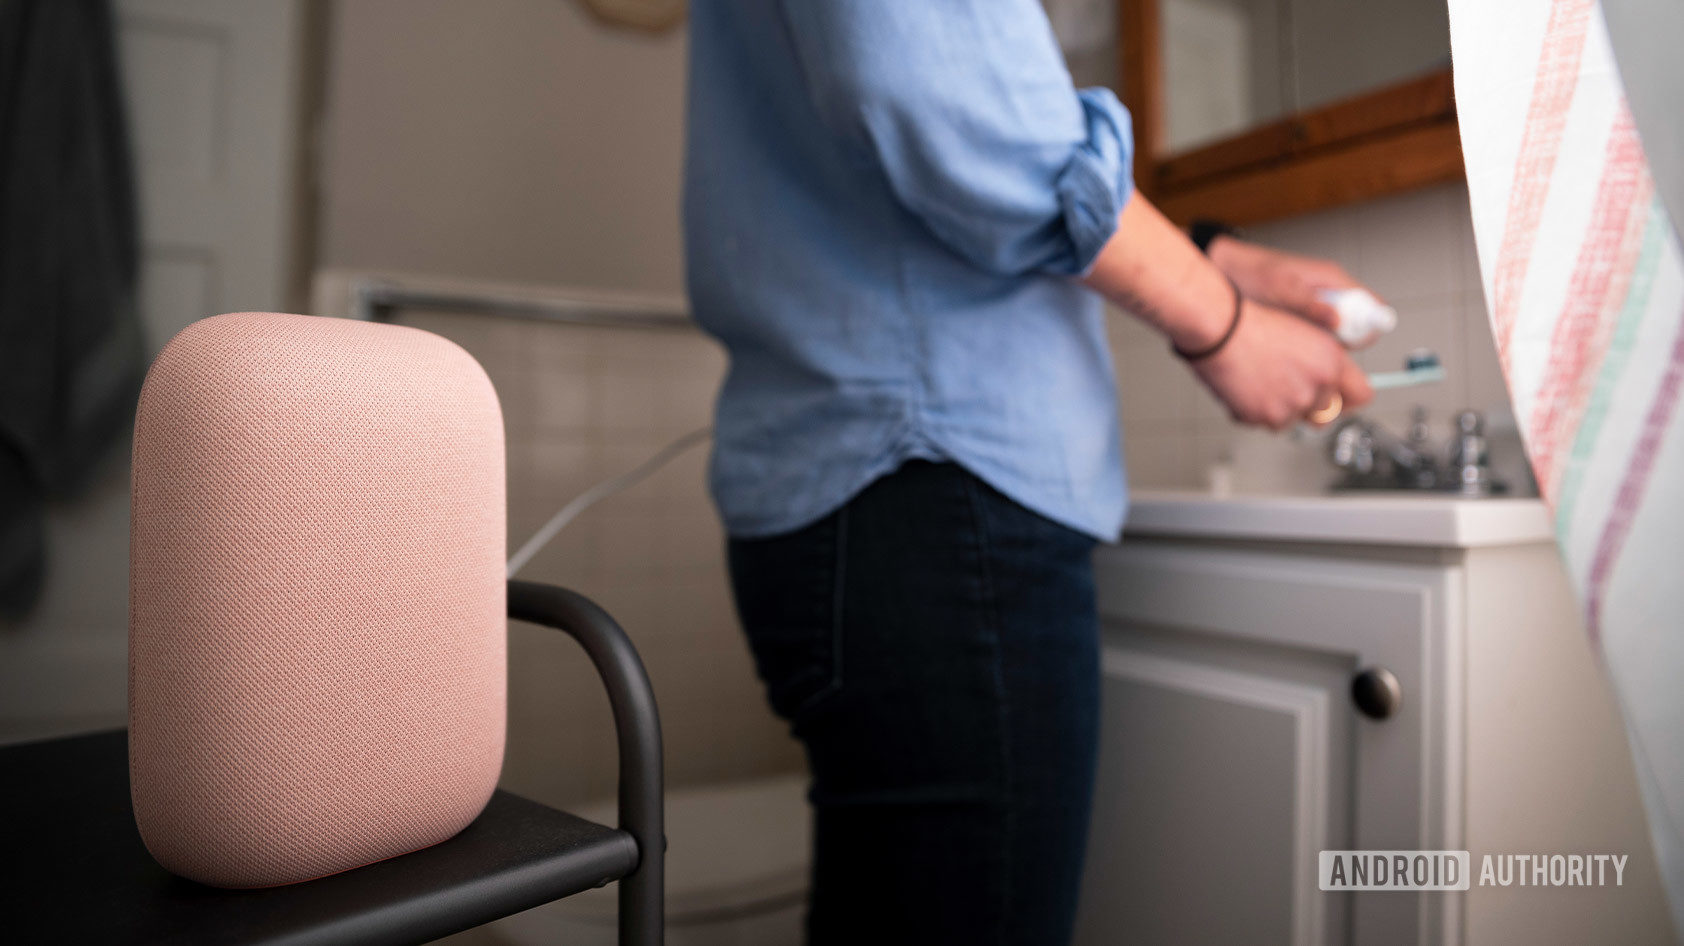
(1371, 457)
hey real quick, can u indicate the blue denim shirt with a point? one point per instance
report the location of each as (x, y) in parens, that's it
(885, 203)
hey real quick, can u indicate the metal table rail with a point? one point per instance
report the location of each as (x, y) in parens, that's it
(75, 870)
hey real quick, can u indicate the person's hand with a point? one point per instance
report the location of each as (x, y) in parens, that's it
(1278, 368)
(1283, 280)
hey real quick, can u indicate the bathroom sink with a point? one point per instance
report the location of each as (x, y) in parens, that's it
(1381, 517)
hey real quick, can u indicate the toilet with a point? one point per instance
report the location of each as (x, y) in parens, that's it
(738, 861)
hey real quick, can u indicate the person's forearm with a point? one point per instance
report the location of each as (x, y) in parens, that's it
(1151, 269)
(1270, 367)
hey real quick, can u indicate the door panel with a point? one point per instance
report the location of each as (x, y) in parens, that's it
(1215, 788)
(1232, 752)
(212, 89)
(213, 97)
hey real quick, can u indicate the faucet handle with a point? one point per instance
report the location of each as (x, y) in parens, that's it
(1350, 446)
(1418, 436)
(1469, 455)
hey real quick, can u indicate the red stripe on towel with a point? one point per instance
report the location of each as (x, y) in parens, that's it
(1540, 142)
(1633, 485)
(1607, 242)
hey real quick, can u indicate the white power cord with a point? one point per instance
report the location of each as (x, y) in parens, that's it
(599, 492)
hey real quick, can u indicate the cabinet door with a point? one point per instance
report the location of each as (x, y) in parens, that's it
(1232, 752)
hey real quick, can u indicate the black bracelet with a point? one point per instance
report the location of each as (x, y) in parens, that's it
(1239, 303)
(1204, 232)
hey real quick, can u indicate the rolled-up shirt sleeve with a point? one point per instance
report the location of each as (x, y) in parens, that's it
(969, 111)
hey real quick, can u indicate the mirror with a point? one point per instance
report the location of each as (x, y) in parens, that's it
(1230, 65)
(1251, 109)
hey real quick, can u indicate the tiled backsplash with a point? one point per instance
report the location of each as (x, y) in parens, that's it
(1414, 250)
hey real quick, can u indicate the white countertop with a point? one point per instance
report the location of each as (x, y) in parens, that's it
(1378, 518)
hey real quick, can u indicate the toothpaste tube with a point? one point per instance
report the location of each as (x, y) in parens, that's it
(1362, 318)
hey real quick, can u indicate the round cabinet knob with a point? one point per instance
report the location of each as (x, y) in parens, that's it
(1377, 693)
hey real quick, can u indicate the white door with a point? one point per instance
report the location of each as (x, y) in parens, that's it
(1232, 752)
(212, 89)
(214, 110)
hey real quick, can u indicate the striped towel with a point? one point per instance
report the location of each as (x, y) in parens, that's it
(1585, 289)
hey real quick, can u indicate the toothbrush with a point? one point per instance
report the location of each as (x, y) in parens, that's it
(1422, 367)
(1362, 320)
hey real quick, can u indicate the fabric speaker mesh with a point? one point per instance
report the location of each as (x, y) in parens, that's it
(316, 597)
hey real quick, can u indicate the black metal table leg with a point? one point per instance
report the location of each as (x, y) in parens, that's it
(642, 895)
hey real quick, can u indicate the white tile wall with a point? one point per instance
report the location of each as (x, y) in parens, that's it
(1416, 251)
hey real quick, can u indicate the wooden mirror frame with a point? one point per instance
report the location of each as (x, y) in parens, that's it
(1393, 139)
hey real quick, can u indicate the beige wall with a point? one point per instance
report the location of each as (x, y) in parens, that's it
(523, 141)
(504, 139)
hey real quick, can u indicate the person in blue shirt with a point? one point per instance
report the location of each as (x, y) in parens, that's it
(901, 220)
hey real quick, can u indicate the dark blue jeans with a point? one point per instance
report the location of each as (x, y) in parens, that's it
(934, 646)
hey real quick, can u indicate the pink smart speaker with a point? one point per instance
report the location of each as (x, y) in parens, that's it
(316, 597)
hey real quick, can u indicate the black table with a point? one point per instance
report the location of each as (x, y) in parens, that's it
(75, 870)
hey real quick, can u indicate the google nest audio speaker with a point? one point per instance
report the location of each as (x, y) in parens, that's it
(316, 597)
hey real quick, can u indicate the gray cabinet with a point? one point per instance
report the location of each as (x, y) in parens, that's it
(1233, 752)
